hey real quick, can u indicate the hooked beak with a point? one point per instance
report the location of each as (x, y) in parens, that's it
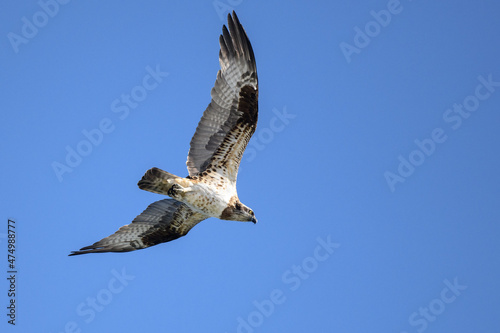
(254, 220)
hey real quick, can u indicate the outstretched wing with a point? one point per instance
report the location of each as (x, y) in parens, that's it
(162, 221)
(231, 117)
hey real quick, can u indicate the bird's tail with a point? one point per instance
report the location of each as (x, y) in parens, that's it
(157, 181)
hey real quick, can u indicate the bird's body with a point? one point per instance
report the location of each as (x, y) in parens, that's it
(213, 161)
(202, 195)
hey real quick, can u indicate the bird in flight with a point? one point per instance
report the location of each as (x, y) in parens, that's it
(213, 160)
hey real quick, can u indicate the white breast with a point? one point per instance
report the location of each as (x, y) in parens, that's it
(207, 199)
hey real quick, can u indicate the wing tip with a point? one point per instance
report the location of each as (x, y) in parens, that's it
(91, 249)
(79, 252)
(232, 16)
(98, 247)
(234, 42)
(87, 249)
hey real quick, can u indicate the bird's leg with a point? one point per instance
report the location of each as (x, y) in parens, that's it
(178, 192)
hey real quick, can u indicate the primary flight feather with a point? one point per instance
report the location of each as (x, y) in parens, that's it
(213, 160)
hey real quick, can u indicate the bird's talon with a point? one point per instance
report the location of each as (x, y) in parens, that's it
(174, 191)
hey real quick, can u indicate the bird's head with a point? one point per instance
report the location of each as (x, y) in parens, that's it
(239, 212)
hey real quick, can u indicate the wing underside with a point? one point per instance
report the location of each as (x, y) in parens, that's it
(232, 112)
(162, 221)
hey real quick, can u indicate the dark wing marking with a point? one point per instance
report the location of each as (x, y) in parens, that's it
(226, 159)
(162, 221)
(235, 82)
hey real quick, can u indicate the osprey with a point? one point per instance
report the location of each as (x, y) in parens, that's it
(213, 159)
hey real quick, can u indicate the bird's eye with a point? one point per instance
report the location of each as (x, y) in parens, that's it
(251, 212)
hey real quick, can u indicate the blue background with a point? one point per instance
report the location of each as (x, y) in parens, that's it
(355, 104)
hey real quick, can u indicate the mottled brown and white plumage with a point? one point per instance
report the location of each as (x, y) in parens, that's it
(213, 160)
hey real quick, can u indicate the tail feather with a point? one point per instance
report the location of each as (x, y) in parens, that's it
(156, 180)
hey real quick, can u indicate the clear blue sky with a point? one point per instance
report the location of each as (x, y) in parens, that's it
(373, 171)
